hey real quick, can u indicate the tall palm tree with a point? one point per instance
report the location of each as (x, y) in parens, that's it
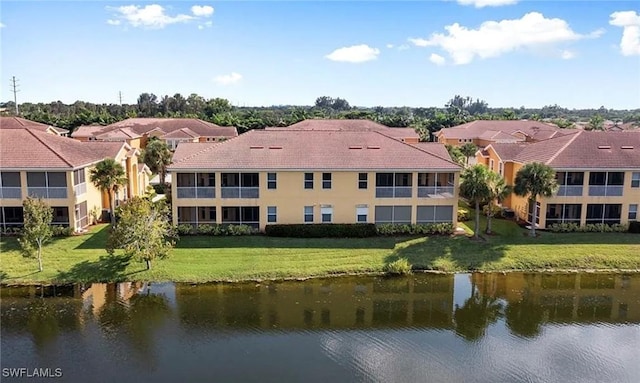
(109, 176)
(468, 150)
(535, 180)
(475, 188)
(498, 190)
(157, 156)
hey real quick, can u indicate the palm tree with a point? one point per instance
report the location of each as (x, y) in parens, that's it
(499, 190)
(157, 156)
(475, 188)
(109, 176)
(533, 180)
(468, 150)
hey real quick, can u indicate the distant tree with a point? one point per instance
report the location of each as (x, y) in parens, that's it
(456, 154)
(595, 123)
(467, 104)
(498, 190)
(563, 123)
(217, 106)
(148, 104)
(157, 156)
(334, 104)
(509, 114)
(195, 104)
(468, 150)
(475, 188)
(143, 231)
(37, 227)
(532, 181)
(109, 176)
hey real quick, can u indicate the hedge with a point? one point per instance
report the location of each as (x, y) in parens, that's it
(418, 229)
(588, 228)
(56, 231)
(215, 230)
(323, 230)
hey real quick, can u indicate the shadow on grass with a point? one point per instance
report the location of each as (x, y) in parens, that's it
(105, 269)
(96, 240)
(448, 253)
(261, 241)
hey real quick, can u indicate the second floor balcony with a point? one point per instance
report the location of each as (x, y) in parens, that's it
(570, 191)
(240, 192)
(10, 193)
(606, 190)
(48, 192)
(393, 192)
(196, 192)
(435, 192)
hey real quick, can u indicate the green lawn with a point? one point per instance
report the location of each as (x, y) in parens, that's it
(200, 259)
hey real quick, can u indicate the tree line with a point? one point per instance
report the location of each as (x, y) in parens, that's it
(220, 111)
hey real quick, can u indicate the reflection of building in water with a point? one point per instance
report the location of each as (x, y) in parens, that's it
(338, 303)
(569, 297)
(98, 294)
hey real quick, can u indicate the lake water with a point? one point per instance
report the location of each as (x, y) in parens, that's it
(424, 328)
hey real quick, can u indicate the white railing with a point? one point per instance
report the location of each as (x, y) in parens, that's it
(240, 192)
(11, 192)
(80, 189)
(435, 192)
(196, 192)
(605, 190)
(50, 192)
(393, 192)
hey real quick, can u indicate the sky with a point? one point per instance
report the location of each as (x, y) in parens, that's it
(510, 53)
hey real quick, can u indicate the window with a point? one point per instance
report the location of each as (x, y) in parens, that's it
(635, 180)
(206, 179)
(597, 178)
(272, 213)
(491, 164)
(607, 213)
(633, 212)
(392, 214)
(308, 180)
(308, 214)
(362, 213)
(271, 181)
(207, 214)
(327, 213)
(362, 180)
(434, 213)
(500, 168)
(326, 180)
(78, 177)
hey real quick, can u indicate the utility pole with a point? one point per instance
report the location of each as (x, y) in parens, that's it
(120, 97)
(14, 87)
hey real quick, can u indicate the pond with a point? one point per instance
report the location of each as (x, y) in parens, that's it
(483, 327)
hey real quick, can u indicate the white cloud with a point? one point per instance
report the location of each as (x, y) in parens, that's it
(390, 46)
(567, 55)
(202, 10)
(228, 79)
(354, 54)
(487, 3)
(2, 25)
(630, 23)
(437, 59)
(494, 38)
(403, 47)
(113, 22)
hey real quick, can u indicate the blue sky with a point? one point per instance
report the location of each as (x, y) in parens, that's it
(420, 53)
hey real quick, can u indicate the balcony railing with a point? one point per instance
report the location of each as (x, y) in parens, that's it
(570, 191)
(11, 192)
(606, 190)
(240, 192)
(196, 192)
(80, 189)
(54, 192)
(393, 192)
(435, 192)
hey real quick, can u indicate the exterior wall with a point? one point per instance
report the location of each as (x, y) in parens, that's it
(291, 197)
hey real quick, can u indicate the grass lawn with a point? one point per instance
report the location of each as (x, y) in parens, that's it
(200, 259)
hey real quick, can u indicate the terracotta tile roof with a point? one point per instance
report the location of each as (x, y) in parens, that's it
(350, 126)
(117, 134)
(434, 148)
(475, 129)
(506, 151)
(168, 125)
(86, 131)
(31, 148)
(181, 133)
(312, 150)
(21, 123)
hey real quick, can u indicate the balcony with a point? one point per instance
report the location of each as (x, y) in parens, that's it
(240, 192)
(11, 192)
(393, 192)
(51, 192)
(605, 190)
(570, 191)
(80, 189)
(196, 192)
(435, 192)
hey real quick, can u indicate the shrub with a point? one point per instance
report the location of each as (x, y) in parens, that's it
(463, 215)
(634, 227)
(238, 230)
(588, 228)
(11, 231)
(323, 230)
(420, 229)
(159, 188)
(61, 231)
(185, 229)
(398, 267)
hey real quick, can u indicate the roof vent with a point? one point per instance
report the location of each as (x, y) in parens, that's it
(626, 147)
(373, 147)
(275, 147)
(256, 147)
(604, 146)
(355, 147)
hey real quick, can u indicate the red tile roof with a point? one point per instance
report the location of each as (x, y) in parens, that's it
(350, 126)
(30, 148)
(476, 129)
(311, 150)
(22, 123)
(181, 133)
(141, 126)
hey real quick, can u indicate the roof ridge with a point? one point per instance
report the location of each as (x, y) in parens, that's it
(563, 147)
(208, 148)
(49, 147)
(415, 147)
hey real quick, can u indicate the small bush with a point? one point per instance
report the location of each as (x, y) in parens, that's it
(61, 231)
(239, 230)
(11, 231)
(159, 188)
(588, 228)
(634, 227)
(463, 215)
(323, 230)
(185, 229)
(417, 229)
(398, 267)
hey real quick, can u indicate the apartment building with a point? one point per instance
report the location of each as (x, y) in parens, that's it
(598, 174)
(40, 164)
(290, 175)
(484, 132)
